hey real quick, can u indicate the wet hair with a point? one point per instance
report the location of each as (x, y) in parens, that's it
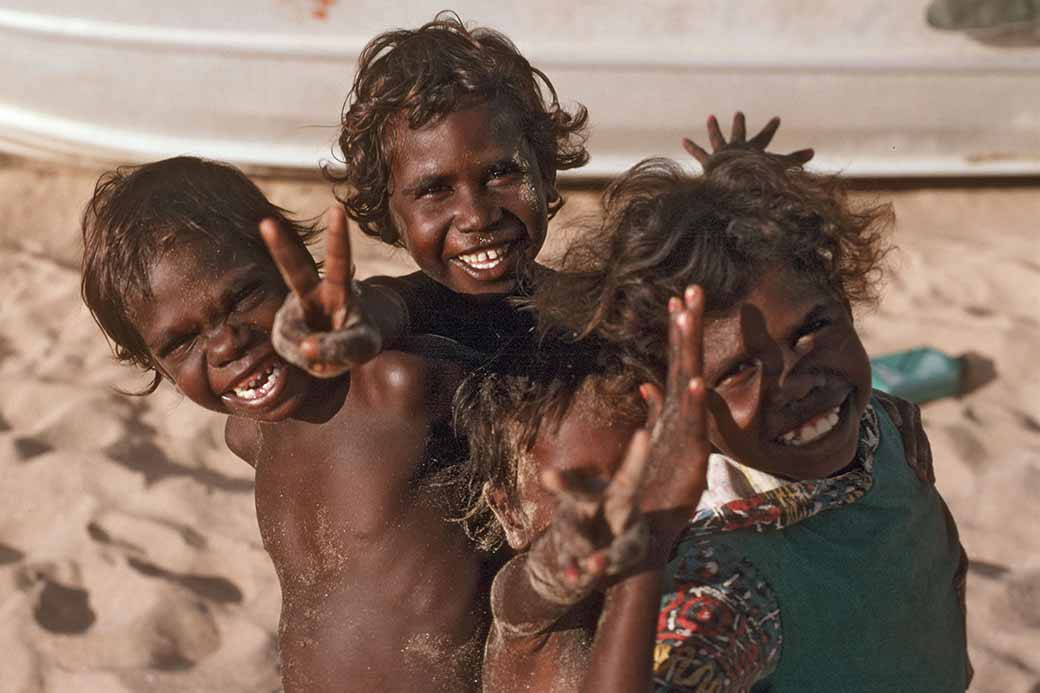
(138, 212)
(664, 230)
(416, 77)
(528, 387)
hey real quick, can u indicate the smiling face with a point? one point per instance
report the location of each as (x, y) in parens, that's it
(208, 327)
(468, 199)
(790, 380)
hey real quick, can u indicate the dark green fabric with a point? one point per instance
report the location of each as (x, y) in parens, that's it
(866, 591)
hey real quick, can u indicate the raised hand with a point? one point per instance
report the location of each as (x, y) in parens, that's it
(678, 419)
(722, 150)
(597, 529)
(320, 327)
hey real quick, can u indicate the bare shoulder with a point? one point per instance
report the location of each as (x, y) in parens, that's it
(408, 383)
(242, 437)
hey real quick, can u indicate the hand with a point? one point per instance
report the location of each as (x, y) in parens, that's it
(320, 327)
(596, 531)
(677, 474)
(722, 150)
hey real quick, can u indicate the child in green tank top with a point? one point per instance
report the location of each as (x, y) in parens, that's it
(819, 556)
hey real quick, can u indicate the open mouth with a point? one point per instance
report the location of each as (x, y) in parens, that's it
(486, 259)
(261, 386)
(815, 428)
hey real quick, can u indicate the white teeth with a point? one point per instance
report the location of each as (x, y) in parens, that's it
(813, 430)
(259, 385)
(485, 259)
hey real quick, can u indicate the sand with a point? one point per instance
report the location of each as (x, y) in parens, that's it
(129, 553)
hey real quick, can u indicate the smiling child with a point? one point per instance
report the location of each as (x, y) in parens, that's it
(450, 142)
(820, 556)
(379, 590)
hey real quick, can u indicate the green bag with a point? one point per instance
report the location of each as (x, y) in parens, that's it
(917, 375)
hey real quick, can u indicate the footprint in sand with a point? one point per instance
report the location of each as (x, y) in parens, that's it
(179, 635)
(63, 609)
(27, 448)
(9, 554)
(211, 587)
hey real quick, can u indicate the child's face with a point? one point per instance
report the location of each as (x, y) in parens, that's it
(584, 446)
(209, 329)
(468, 199)
(791, 380)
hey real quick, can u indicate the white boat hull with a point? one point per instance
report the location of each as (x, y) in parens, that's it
(868, 84)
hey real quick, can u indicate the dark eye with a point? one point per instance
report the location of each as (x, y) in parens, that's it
(814, 326)
(739, 373)
(430, 190)
(178, 346)
(506, 169)
(248, 297)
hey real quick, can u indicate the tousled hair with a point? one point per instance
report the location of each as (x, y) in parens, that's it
(664, 230)
(530, 386)
(416, 77)
(138, 212)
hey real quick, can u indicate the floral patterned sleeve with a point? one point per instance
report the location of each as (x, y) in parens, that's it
(719, 627)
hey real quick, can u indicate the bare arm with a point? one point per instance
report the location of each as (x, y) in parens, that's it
(622, 650)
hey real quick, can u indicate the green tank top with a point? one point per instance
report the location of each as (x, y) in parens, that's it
(866, 591)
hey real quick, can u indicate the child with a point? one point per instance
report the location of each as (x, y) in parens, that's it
(451, 142)
(821, 556)
(548, 427)
(379, 590)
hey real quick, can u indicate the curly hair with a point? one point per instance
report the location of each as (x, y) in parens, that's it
(137, 213)
(664, 230)
(418, 76)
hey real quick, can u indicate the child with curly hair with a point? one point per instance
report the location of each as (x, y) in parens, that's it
(819, 557)
(381, 590)
(451, 142)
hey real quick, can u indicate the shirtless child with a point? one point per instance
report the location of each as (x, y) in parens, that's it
(379, 591)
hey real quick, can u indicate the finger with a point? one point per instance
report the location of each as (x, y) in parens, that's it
(293, 261)
(765, 135)
(654, 403)
(343, 348)
(310, 348)
(595, 565)
(715, 134)
(335, 289)
(694, 299)
(696, 151)
(619, 505)
(696, 412)
(739, 130)
(630, 474)
(689, 349)
(801, 157)
(675, 310)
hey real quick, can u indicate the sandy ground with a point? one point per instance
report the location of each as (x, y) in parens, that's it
(129, 553)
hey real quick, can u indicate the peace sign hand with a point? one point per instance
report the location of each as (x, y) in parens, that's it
(597, 530)
(321, 326)
(723, 150)
(677, 474)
